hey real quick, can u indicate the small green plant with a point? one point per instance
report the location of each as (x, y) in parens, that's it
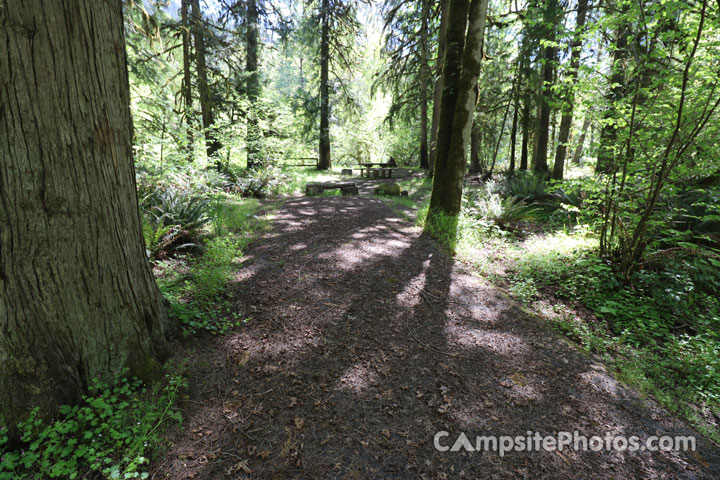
(113, 432)
(440, 226)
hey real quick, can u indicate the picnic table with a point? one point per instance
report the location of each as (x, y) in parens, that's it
(347, 188)
(378, 170)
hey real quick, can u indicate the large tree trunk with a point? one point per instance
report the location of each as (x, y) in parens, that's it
(253, 84)
(424, 76)
(438, 88)
(187, 79)
(211, 143)
(569, 100)
(77, 296)
(324, 147)
(461, 70)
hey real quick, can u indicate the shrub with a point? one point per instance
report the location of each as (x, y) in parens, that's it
(489, 206)
(527, 187)
(172, 218)
(112, 432)
(259, 182)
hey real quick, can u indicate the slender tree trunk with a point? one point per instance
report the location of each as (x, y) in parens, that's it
(212, 145)
(551, 19)
(513, 133)
(540, 164)
(475, 148)
(569, 100)
(438, 88)
(77, 297)
(461, 70)
(424, 77)
(252, 138)
(525, 132)
(324, 148)
(581, 141)
(187, 79)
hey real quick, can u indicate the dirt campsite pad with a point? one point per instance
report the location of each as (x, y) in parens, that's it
(366, 340)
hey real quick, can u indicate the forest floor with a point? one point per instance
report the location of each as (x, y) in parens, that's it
(366, 339)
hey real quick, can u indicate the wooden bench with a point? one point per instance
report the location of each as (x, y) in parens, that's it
(347, 188)
(305, 164)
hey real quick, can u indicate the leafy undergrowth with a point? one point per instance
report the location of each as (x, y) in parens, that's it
(195, 284)
(112, 433)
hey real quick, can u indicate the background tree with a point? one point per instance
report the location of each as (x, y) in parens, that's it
(551, 17)
(407, 75)
(568, 99)
(78, 298)
(206, 100)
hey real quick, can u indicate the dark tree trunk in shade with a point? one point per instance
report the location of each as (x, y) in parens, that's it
(513, 129)
(438, 84)
(212, 145)
(525, 132)
(475, 166)
(324, 147)
(569, 98)
(424, 77)
(551, 18)
(461, 70)
(252, 137)
(541, 149)
(77, 296)
(187, 78)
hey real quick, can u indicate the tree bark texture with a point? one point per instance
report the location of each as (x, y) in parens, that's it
(424, 77)
(438, 84)
(77, 296)
(461, 70)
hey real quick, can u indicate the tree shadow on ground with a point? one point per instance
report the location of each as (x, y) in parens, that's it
(366, 340)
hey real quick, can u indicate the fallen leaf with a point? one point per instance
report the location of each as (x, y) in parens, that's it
(299, 422)
(243, 466)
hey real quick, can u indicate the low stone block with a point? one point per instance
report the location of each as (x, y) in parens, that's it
(391, 189)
